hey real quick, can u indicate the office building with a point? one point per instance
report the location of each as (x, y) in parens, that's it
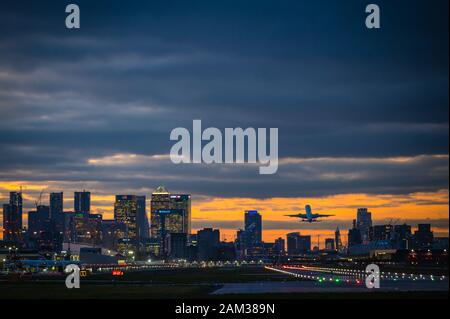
(208, 240)
(57, 216)
(12, 218)
(402, 236)
(182, 202)
(126, 214)
(381, 232)
(338, 239)
(363, 223)
(41, 230)
(56, 203)
(86, 229)
(354, 236)
(279, 246)
(298, 244)
(110, 233)
(423, 237)
(82, 202)
(253, 227)
(176, 245)
(142, 219)
(329, 244)
(291, 240)
(170, 213)
(303, 244)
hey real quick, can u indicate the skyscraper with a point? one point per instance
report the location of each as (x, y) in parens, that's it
(423, 237)
(363, 223)
(160, 201)
(329, 244)
(176, 244)
(126, 214)
(291, 240)
(253, 227)
(41, 228)
(381, 232)
(304, 244)
(170, 213)
(354, 236)
(183, 202)
(86, 228)
(56, 203)
(57, 216)
(279, 245)
(337, 239)
(12, 218)
(298, 244)
(82, 202)
(403, 237)
(142, 218)
(208, 240)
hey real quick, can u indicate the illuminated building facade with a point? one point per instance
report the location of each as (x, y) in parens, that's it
(160, 201)
(12, 218)
(86, 229)
(338, 239)
(126, 214)
(170, 214)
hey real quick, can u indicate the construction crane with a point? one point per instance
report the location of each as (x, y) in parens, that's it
(39, 200)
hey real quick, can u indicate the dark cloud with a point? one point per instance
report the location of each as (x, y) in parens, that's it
(133, 72)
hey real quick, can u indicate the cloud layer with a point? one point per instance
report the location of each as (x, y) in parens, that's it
(357, 111)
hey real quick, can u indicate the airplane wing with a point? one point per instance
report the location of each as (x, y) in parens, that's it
(297, 215)
(323, 215)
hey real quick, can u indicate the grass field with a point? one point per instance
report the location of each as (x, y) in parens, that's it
(174, 283)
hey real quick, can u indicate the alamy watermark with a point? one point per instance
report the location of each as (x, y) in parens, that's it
(73, 277)
(261, 148)
(373, 276)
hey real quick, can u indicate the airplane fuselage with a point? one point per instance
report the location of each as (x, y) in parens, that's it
(309, 216)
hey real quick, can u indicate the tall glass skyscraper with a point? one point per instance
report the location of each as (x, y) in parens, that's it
(126, 214)
(160, 201)
(338, 239)
(170, 214)
(363, 223)
(57, 217)
(253, 227)
(12, 218)
(56, 203)
(82, 202)
(142, 219)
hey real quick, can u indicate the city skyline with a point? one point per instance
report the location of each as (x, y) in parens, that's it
(269, 209)
(362, 114)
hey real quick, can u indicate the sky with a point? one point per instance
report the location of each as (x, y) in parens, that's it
(362, 114)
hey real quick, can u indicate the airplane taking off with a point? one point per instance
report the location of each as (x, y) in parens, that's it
(309, 216)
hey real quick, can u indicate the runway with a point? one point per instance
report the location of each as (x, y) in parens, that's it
(334, 280)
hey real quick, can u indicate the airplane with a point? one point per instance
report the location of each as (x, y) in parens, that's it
(309, 216)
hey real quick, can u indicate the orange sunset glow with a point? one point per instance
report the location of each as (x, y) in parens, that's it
(227, 213)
